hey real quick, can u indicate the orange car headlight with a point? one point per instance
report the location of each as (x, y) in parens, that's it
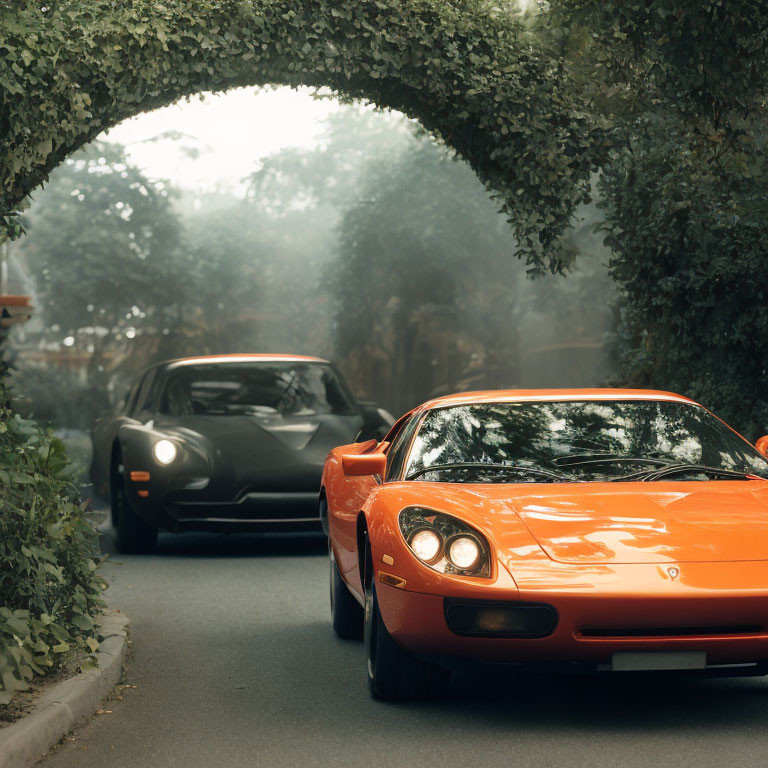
(445, 543)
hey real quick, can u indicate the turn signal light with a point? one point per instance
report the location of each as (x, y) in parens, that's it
(391, 580)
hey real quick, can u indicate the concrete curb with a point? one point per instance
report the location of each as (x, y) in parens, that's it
(69, 702)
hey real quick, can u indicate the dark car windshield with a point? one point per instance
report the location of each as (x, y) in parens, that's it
(576, 440)
(255, 389)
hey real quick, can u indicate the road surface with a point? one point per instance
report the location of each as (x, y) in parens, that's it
(235, 664)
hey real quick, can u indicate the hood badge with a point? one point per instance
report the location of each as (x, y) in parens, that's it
(673, 572)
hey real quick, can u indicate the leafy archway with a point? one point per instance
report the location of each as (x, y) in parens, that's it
(471, 73)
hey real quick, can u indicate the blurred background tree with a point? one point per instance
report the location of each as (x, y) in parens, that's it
(105, 258)
(376, 248)
(663, 102)
(429, 300)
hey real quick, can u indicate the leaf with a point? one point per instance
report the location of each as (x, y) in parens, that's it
(61, 648)
(82, 621)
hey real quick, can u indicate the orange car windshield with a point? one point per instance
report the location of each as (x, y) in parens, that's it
(576, 441)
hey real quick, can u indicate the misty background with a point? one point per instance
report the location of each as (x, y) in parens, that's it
(274, 221)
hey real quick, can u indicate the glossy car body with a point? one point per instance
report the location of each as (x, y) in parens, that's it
(239, 465)
(673, 566)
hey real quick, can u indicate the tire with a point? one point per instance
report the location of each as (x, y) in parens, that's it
(393, 674)
(133, 536)
(324, 515)
(346, 612)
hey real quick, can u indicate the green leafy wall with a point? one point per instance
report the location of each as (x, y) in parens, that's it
(471, 72)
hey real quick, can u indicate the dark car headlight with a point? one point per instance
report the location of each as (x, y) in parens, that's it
(445, 543)
(165, 451)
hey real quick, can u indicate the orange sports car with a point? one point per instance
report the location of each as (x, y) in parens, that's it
(596, 529)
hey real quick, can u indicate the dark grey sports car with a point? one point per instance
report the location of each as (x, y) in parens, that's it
(228, 443)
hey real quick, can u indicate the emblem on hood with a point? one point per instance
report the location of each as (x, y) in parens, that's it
(673, 572)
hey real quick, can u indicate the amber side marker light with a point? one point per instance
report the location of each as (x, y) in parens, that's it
(139, 477)
(392, 581)
(143, 494)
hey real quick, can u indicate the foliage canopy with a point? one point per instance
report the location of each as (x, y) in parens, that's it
(666, 98)
(471, 73)
(683, 189)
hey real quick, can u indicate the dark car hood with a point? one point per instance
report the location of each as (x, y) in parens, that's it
(269, 454)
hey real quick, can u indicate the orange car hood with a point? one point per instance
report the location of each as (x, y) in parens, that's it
(601, 523)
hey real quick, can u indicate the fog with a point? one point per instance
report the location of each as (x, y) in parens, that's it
(364, 241)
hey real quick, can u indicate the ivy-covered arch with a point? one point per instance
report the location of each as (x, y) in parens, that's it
(470, 72)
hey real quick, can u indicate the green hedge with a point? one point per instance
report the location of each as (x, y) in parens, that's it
(471, 72)
(49, 585)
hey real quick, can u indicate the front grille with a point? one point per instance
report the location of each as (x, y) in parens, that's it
(741, 629)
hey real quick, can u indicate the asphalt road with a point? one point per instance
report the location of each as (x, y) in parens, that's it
(235, 664)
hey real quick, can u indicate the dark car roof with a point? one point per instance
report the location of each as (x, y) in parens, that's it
(239, 358)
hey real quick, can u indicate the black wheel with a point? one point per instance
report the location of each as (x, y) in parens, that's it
(393, 674)
(324, 515)
(133, 536)
(346, 612)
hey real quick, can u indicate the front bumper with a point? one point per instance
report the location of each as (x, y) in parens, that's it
(252, 512)
(202, 491)
(730, 630)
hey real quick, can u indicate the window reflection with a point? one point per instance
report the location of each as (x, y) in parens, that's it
(580, 439)
(255, 389)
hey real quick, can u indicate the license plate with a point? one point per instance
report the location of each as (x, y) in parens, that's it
(652, 660)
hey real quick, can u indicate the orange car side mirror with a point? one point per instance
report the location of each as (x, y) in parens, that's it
(762, 445)
(364, 464)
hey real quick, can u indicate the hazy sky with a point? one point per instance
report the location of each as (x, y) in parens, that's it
(231, 131)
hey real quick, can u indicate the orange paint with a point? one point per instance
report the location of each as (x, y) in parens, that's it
(630, 566)
(364, 464)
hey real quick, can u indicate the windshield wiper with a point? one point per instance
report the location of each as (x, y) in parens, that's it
(582, 459)
(676, 469)
(499, 467)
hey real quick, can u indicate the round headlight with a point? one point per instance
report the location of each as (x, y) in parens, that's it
(164, 451)
(426, 545)
(464, 552)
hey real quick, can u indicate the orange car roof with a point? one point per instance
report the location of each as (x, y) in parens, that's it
(534, 395)
(238, 358)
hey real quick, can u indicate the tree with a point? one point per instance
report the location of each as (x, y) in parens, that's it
(682, 86)
(666, 100)
(106, 248)
(427, 298)
(256, 279)
(689, 240)
(329, 176)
